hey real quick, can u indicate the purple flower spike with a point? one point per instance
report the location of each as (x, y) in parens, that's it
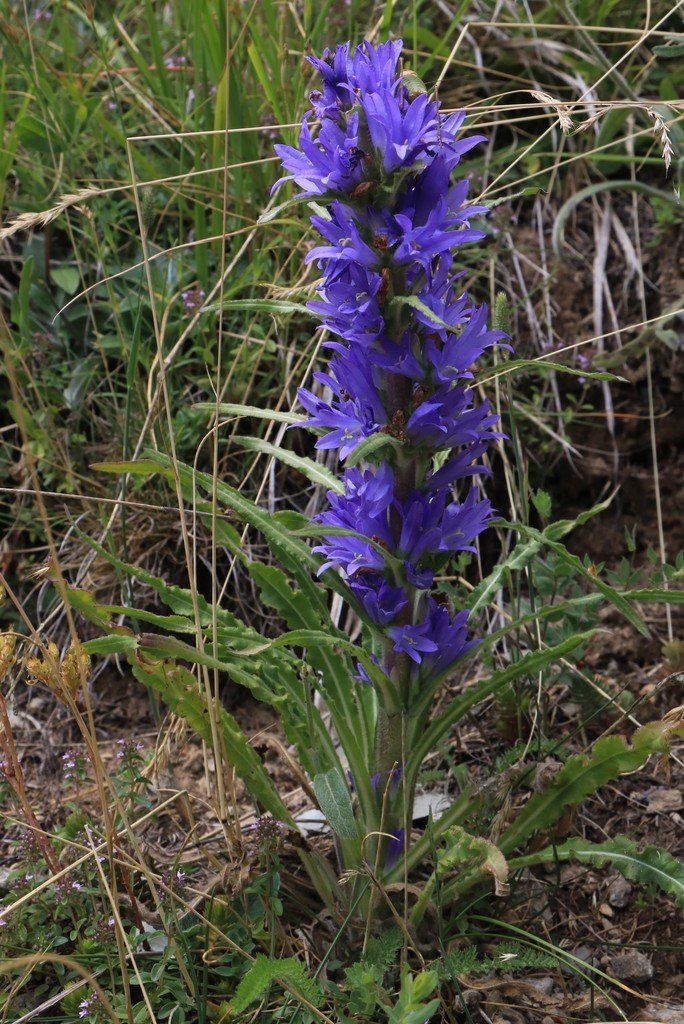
(403, 339)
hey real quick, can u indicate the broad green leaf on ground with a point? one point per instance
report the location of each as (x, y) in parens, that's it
(582, 775)
(651, 866)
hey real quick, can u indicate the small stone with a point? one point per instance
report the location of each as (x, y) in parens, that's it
(509, 1016)
(544, 772)
(469, 999)
(606, 911)
(664, 1014)
(584, 953)
(619, 892)
(662, 801)
(631, 966)
(544, 985)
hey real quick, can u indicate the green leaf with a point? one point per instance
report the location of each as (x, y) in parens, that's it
(351, 717)
(529, 665)
(268, 215)
(116, 644)
(314, 471)
(236, 410)
(670, 50)
(67, 278)
(582, 775)
(224, 532)
(463, 848)
(136, 467)
(560, 527)
(415, 303)
(276, 592)
(334, 800)
(521, 556)
(370, 445)
(290, 973)
(159, 646)
(529, 190)
(652, 866)
(178, 599)
(614, 596)
(469, 855)
(382, 949)
(271, 674)
(291, 552)
(83, 602)
(279, 306)
(542, 502)
(542, 366)
(174, 623)
(658, 594)
(269, 79)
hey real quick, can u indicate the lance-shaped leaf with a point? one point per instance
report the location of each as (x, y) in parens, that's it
(234, 410)
(293, 553)
(314, 471)
(616, 598)
(277, 592)
(334, 800)
(525, 550)
(542, 365)
(429, 737)
(584, 774)
(652, 866)
(521, 556)
(280, 307)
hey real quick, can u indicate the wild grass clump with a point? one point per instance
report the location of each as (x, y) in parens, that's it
(251, 761)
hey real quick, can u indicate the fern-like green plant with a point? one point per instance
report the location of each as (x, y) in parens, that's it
(508, 958)
(289, 973)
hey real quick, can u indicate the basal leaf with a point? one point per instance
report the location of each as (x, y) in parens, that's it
(582, 775)
(334, 800)
(652, 866)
